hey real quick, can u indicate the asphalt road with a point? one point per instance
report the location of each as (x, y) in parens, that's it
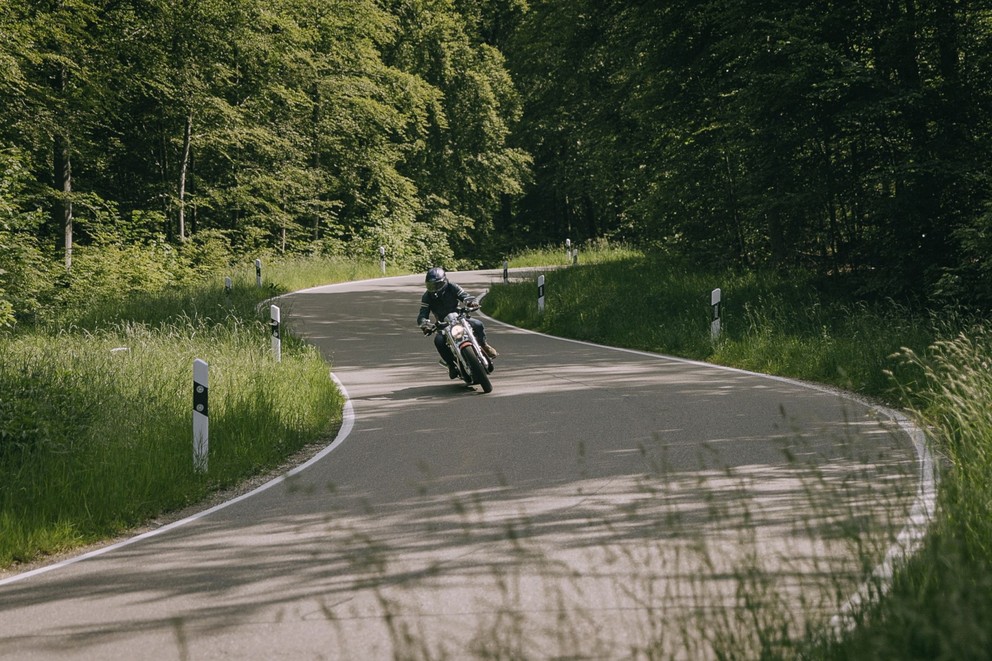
(599, 503)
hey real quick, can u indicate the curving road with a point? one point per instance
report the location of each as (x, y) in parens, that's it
(599, 503)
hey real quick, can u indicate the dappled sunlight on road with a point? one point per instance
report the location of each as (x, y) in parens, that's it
(631, 550)
(629, 545)
(596, 504)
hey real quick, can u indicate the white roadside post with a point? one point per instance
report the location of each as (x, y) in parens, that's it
(568, 250)
(506, 272)
(715, 307)
(575, 256)
(540, 294)
(258, 273)
(382, 259)
(201, 425)
(275, 316)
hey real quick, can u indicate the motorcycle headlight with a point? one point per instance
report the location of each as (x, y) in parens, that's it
(457, 331)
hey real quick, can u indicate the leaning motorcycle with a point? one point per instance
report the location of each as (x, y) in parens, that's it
(474, 366)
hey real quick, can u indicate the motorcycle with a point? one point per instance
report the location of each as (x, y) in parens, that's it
(472, 363)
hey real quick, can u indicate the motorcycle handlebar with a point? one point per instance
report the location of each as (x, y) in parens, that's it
(442, 324)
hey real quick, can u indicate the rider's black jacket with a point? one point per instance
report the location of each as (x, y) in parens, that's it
(443, 303)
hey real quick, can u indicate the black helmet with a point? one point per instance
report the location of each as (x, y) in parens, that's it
(436, 280)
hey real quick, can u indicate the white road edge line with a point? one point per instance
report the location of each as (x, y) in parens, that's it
(909, 538)
(347, 423)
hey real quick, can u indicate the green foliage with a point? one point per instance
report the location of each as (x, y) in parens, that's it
(105, 276)
(826, 137)
(957, 387)
(466, 166)
(23, 266)
(94, 390)
(295, 273)
(833, 137)
(208, 252)
(295, 126)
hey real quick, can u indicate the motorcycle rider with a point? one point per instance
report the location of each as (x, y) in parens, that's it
(442, 298)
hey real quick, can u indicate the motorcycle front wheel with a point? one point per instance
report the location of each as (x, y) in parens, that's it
(479, 374)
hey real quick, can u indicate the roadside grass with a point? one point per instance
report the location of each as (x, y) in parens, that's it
(768, 324)
(302, 272)
(97, 428)
(207, 297)
(594, 252)
(940, 604)
(95, 403)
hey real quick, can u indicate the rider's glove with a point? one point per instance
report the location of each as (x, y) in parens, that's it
(473, 304)
(427, 328)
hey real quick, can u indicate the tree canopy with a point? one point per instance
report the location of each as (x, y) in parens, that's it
(298, 124)
(846, 138)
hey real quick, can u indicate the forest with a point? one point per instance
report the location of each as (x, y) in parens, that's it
(844, 139)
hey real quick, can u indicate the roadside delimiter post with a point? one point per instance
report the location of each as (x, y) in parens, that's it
(275, 316)
(201, 426)
(715, 318)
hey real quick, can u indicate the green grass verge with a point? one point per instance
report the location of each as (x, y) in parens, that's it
(940, 603)
(95, 405)
(768, 324)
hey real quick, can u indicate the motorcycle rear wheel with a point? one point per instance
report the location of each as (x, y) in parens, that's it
(479, 374)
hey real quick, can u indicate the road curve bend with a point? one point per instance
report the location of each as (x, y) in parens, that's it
(599, 503)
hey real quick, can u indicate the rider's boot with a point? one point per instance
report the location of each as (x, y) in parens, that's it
(452, 370)
(492, 353)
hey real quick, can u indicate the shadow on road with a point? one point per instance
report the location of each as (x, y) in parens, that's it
(595, 504)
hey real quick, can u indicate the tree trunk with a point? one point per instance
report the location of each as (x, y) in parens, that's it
(67, 202)
(735, 214)
(183, 170)
(63, 176)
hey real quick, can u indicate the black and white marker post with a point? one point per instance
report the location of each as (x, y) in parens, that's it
(540, 294)
(275, 317)
(201, 425)
(258, 273)
(382, 259)
(715, 307)
(568, 250)
(506, 272)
